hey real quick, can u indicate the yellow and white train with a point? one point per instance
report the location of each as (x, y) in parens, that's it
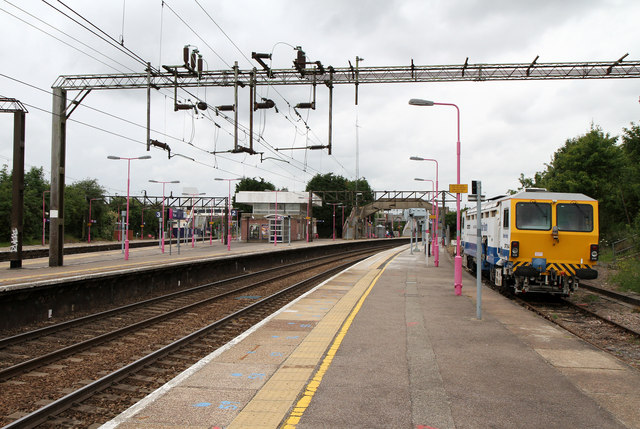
(535, 241)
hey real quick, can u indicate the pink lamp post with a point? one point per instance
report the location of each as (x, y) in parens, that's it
(91, 220)
(309, 202)
(211, 225)
(193, 219)
(126, 239)
(43, 218)
(229, 211)
(162, 229)
(436, 248)
(458, 259)
(435, 236)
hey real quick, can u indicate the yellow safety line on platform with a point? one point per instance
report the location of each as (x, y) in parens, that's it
(312, 386)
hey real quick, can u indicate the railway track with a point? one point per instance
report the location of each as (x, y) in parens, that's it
(599, 321)
(602, 332)
(588, 321)
(51, 378)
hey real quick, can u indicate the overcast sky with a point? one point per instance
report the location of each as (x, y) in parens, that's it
(507, 128)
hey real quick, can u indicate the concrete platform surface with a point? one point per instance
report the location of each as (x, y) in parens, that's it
(35, 272)
(387, 344)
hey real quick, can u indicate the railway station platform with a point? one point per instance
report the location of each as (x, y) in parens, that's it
(37, 271)
(387, 344)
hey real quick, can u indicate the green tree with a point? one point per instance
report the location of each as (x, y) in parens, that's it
(34, 186)
(324, 215)
(345, 194)
(585, 164)
(5, 204)
(76, 209)
(631, 148)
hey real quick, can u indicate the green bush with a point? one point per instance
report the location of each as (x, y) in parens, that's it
(628, 275)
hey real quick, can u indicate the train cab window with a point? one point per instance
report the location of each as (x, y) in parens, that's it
(533, 215)
(574, 217)
(505, 219)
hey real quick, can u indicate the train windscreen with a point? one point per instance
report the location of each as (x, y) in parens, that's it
(574, 217)
(533, 215)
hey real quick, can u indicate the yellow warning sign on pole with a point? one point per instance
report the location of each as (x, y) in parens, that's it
(458, 189)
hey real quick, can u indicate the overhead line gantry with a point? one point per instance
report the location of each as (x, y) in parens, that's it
(314, 74)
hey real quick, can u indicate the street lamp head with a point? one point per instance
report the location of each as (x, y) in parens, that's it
(113, 157)
(145, 157)
(419, 179)
(416, 158)
(157, 181)
(420, 102)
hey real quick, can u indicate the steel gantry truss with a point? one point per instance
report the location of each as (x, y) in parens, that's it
(202, 202)
(185, 76)
(363, 75)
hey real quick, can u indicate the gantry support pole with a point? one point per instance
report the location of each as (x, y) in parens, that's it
(58, 152)
(17, 199)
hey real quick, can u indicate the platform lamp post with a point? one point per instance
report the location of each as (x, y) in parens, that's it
(355, 231)
(211, 224)
(435, 234)
(458, 259)
(334, 218)
(193, 218)
(44, 221)
(162, 229)
(90, 220)
(126, 240)
(229, 210)
(436, 248)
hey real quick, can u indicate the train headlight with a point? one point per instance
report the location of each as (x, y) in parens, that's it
(593, 252)
(515, 249)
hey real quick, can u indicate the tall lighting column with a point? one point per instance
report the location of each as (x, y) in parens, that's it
(126, 239)
(334, 218)
(162, 229)
(436, 248)
(228, 211)
(458, 259)
(193, 218)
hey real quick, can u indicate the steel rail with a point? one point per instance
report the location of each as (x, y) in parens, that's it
(41, 415)
(612, 294)
(15, 339)
(40, 361)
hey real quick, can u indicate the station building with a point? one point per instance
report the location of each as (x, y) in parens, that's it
(278, 215)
